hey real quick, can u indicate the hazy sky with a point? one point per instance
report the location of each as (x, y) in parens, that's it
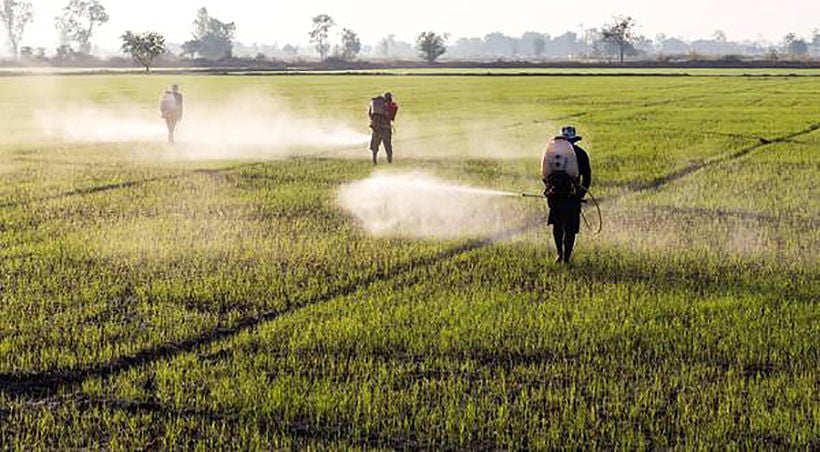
(269, 21)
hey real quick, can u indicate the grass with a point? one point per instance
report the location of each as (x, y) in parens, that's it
(154, 300)
(594, 71)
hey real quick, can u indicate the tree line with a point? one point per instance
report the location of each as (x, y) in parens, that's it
(214, 40)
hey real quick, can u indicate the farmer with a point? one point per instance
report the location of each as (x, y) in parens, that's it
(382, 113)
(567, 183)
(170, 106)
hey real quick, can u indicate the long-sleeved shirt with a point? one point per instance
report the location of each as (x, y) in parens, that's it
(178, 98)
(584, 168)
(383, 122)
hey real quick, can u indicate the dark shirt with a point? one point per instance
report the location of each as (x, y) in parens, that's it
(583, 168)
(178, 98)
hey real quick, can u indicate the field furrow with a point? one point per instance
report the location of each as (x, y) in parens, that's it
(260, 284)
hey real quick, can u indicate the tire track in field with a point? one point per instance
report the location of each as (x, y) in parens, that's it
(134, 183)
(51, 382)
(662, 181)
(804, 221)
(715, 133)
(88, 191)
(415, 366)
(506, 362)
(123, 185)
(299, 428)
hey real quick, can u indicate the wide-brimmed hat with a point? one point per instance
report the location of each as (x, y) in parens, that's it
(568, 132)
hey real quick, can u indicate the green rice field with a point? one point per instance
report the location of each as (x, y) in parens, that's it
(261, 285)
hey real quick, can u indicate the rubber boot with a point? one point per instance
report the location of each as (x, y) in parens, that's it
(569, 244)
(558, 236)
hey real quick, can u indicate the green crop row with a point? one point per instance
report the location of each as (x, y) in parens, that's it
(153, 299)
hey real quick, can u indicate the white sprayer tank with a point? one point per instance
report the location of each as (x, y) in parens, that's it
(168, 103)
(559, 156)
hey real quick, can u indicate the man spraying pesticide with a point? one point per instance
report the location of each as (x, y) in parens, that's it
(170, 105)
(382, 113)
(567, 175)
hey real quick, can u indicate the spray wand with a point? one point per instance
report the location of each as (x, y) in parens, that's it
(583, 215)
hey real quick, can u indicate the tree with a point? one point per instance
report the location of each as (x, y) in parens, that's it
(586, 43)
(771, 54)
(351, 46)
(389, 47)
(538, 46)
(672, 46)
(143, 47)
(795, 46)
(15, 15)
(33, 54)
(385, 45)
(213, 39)
(499, 45)
(533, 43)
(319, 34)
(643, 45)
(430, 46)
(620, 33)
(64, 54)
(79, 19)
(291, 50)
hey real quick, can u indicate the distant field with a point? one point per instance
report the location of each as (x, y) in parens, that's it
(613, 71)
(474, 71)
(217, 294)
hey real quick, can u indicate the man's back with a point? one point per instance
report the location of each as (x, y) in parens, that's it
(178, 98)
(382, 114)
(584, 168)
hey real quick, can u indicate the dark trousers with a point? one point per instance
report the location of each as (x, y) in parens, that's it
(564, 242)
(171, 123)
(382, 136)
(565, 218)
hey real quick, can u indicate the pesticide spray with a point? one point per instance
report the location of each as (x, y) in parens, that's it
(418, 205)
(244, 126)
(421, 206)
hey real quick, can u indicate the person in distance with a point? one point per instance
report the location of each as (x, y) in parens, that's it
(567, 176)
(170, 106)
(382, 113)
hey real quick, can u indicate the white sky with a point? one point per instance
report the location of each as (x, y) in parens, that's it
(288, 21)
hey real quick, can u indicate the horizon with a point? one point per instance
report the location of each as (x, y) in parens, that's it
(767, 23)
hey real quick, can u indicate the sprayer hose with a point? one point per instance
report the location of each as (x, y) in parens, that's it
(600, 217)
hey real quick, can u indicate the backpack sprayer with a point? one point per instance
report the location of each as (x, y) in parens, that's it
(560, 171)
